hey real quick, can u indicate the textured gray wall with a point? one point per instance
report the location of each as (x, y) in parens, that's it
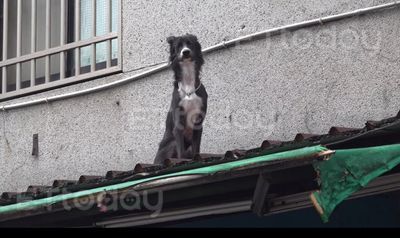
(339, 74)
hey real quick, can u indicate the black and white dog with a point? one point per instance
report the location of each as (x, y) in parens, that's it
(184, 125)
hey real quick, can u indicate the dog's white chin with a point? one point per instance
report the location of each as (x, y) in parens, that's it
(188, 60)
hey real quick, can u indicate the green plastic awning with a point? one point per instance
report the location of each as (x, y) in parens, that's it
(289, 155)
(348, 171)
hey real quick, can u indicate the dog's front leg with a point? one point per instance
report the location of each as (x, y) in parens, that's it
(178, 132)
(197, 141)
(179, 142)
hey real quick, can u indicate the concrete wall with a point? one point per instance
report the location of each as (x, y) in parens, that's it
(339, 74)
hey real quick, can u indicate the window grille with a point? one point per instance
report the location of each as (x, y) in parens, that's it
(50, 43)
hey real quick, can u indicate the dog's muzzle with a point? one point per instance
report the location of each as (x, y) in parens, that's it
(186, 53)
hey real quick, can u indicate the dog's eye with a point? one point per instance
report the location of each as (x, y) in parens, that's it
(188, 43)
(180, 44)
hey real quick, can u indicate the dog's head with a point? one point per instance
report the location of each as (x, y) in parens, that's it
(185, 48)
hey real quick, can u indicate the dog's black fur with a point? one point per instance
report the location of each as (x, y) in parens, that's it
(184, 125)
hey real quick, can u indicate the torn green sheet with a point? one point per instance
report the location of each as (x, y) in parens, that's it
(348, 171)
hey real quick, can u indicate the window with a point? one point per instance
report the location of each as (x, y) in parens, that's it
(49, 43)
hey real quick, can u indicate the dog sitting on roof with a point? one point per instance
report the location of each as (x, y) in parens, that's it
(184, 124)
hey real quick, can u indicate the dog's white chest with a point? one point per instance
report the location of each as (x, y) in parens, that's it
(191, 104)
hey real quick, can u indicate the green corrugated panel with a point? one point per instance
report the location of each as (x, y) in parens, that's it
(348, 171)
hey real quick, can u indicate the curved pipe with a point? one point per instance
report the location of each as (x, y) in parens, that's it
(220, 46)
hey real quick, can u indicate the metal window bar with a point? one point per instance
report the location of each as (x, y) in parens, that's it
(61, 49)
(48, 27)
(93, 58)
(62, 39)
(109, 29)
(77, 37)
(5, 44)
(19, 46)
(56, 50)
(33, 41)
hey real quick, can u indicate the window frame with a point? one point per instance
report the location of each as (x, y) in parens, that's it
(86, 72)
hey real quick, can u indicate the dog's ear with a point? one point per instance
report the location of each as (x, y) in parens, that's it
(171, 40)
